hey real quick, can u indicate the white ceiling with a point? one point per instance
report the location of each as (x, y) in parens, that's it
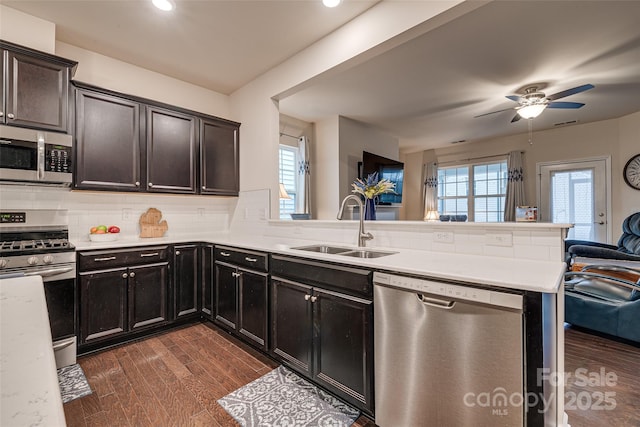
(217, 44)
(426, 91)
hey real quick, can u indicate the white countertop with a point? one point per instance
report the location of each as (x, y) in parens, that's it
(28, 378)
(512, 273)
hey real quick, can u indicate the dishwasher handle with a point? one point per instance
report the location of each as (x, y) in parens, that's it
(436, 302)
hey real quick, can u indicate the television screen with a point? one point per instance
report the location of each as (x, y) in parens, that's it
(392, 170)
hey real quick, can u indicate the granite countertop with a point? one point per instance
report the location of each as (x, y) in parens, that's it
(28, 378)
(511, 273)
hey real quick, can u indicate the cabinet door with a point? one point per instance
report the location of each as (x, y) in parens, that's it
(206, 285)
(103, 302)
(186, 281)
(252, 307)
(219, 170)
(291, 327)
(343, 344)
(225, 299)
(148, 295)
(37, 93)
(107, 142)
(171, 151)
(61, 305)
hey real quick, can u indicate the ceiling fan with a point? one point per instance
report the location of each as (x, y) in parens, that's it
(533, 102)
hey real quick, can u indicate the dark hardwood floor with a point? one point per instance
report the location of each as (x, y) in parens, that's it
(174, 379)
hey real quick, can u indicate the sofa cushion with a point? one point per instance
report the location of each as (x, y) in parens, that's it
(630, 240)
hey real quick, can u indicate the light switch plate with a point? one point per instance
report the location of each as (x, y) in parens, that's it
(499, 239)
(443, 236)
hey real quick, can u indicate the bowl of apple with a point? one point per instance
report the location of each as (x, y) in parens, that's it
(102, 233)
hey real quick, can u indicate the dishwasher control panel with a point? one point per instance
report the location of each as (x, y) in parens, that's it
(447, 290)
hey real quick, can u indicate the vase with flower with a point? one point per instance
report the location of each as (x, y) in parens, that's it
(370, 189)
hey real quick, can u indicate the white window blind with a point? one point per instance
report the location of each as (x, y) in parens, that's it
(288, 176)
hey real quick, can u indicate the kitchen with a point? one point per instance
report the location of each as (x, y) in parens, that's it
(189, 216)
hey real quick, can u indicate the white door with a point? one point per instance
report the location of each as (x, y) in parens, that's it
(577, 192)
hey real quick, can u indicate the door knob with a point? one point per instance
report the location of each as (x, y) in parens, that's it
(600, 222)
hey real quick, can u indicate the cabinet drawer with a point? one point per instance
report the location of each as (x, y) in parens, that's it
(253, 260)
(110, 258)
(324, 275)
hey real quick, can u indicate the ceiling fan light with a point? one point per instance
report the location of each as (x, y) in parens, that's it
(331, 3)
(166, 5)
(531, 111)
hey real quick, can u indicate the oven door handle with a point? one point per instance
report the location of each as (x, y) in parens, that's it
(49, 273)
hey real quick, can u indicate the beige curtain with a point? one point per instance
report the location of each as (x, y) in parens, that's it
(430, 192)
(304, 176)
(515, 186)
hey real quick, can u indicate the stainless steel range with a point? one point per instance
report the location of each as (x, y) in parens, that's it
(36, 242)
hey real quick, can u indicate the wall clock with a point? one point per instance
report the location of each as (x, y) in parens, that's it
(631, 172)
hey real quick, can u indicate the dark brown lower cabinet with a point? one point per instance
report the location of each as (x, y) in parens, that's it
(186, 294)
(324, 334)
(114, 302)
(206, 280)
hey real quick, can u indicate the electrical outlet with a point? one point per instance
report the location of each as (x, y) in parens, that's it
(126, 214)
(443, 236)
(499, 239)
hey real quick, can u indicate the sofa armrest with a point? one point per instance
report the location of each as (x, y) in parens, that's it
(600, 252)
(570, 242)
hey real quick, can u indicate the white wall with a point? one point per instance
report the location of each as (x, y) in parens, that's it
(325, 177)
(20, 28)
(354, 138)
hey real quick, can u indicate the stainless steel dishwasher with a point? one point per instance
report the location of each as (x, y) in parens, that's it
(447, 355)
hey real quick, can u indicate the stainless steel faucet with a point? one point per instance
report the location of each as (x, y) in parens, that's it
(362, 236)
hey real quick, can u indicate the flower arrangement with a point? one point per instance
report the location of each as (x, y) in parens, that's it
(372, 187)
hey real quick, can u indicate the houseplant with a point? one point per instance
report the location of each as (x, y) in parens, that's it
(371, 188)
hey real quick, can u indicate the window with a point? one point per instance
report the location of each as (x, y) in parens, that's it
(477, 191)
(288, 174)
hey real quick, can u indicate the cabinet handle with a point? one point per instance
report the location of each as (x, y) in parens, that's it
(124, 275)
(204, 188)
(1, 113)
(132, 274)
(314, 298)
(234, 274)
(307, 297)
(137, 183)
(177, 253)
(225, 254)
(10, 115)
(151, 184)
(154, 254)
(109, 258)
(250, 259)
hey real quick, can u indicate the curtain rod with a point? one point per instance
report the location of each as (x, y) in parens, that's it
(290, 136)
(475, 158)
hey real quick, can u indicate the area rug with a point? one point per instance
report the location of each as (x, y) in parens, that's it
(73, 383)
(282, 398)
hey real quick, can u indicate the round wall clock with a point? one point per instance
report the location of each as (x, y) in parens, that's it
(631, 172)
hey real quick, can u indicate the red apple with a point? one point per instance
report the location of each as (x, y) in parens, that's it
(114, 229)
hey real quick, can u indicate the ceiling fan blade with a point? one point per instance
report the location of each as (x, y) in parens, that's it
(493, 112)
(571, 91)
(565, 105)
(513, 97)
(515, 118)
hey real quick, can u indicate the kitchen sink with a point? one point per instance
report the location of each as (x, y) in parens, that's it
(364, 253)
(324, 249)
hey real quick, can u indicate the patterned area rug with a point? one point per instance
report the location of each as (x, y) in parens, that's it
(282, 398)
(73, 383)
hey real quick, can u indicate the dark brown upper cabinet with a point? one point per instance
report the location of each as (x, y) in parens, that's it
(108, 137)
(125, 143)
(219, 158)
(171, 151)
(35, 88)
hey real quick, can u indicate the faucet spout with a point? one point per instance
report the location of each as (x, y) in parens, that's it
(362, 236)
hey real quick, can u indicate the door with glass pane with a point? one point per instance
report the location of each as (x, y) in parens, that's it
(576, 192)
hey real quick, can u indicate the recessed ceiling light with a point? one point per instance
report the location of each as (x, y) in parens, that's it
(331, 3)
(165, 5)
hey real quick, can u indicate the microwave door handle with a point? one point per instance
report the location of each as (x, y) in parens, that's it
(40, 156)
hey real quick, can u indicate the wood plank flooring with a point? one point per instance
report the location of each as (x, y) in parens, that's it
(175, 379)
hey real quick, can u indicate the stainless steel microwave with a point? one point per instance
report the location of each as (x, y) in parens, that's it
(32, 156)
